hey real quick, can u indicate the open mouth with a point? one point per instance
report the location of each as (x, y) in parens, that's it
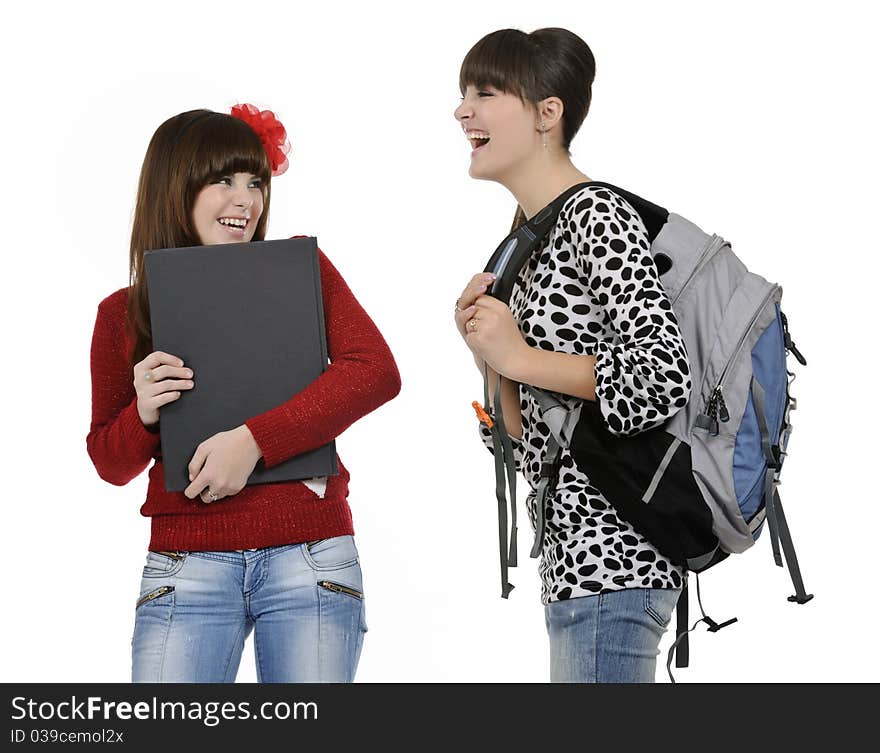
(234, 225)
(478, 140)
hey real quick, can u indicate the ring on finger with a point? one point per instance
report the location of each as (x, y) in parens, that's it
(213, 495)
(457, 305)
(148, 375)
(472, 323)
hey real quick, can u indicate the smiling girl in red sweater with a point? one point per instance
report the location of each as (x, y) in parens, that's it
(207, 581)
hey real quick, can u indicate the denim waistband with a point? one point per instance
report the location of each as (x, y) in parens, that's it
(244, 555)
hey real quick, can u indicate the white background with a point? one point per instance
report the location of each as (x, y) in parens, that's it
(755, 121)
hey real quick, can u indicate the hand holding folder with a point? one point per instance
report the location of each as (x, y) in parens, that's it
(223, 463)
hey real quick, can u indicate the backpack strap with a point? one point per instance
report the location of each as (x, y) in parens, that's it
(679, 649)
(772, 463)
(561, 420)
(546, 487)
(514, 251)
(502, 449)
(773, 505)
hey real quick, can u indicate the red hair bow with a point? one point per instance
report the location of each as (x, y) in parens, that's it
(271, 133)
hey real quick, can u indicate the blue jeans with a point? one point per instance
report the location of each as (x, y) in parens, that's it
(608, 637)
(304, 603)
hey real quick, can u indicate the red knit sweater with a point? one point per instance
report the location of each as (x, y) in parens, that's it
(362, 376)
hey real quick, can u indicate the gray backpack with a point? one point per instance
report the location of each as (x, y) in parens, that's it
(700, 486)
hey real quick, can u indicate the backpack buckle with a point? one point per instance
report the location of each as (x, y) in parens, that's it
(482, 415)
(714, 627)
(550, 470)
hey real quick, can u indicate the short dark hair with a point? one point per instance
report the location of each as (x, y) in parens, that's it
(546, 63)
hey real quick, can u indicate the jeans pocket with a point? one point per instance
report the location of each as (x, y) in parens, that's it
(659, 603)
(156, 593)
(335, 553)
(164, 563)
(340, 588)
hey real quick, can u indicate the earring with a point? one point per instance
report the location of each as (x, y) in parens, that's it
(543, 134)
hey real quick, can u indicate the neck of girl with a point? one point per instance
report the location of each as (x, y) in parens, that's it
(541, 179)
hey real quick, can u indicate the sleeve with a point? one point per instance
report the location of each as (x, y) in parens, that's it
(362, 375)
(118, 443)
(517, 444)
(643, 375)
(486, 436)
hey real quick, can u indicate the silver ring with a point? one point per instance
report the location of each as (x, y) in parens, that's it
(214, 496)
(457, 306)
(148, 375)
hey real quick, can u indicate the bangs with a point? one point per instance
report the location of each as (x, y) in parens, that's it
(504, 60)
(223, 145)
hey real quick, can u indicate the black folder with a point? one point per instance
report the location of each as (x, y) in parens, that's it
(248, 319)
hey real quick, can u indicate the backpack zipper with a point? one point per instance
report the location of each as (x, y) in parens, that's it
(704, 260)
(331, 586)
(789, 343)
(716, 408)
(154, 595)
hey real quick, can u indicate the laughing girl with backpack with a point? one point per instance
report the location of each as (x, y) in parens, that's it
(588, 320)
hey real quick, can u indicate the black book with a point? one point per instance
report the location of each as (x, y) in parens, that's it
(248, 319)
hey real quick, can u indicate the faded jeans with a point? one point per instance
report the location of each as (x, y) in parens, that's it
(303, 602)
(608, 637)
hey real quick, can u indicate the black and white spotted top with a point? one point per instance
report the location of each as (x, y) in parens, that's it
(592, 288)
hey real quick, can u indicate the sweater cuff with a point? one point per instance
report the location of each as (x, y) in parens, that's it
(274, 442)
(142, 441)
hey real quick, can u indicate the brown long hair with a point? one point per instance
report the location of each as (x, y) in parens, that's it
(549, 62)
(187, 152)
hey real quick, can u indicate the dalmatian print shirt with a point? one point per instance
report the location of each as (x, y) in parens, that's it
(592, 288)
